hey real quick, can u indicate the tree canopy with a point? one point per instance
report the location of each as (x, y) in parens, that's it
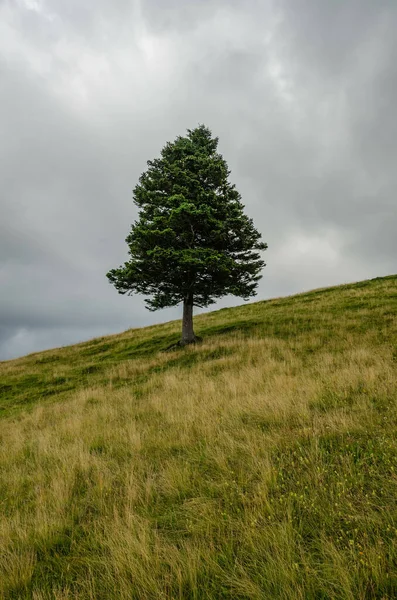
(192, 241)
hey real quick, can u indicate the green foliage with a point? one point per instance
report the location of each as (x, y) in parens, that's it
(192, 237)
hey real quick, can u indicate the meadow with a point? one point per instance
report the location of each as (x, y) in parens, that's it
(258, 464)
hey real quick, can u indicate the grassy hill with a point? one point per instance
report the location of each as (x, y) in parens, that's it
(260, 464)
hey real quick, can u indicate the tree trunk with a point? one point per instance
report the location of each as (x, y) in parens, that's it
(188, 336)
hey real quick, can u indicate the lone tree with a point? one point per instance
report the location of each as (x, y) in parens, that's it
(192, 242)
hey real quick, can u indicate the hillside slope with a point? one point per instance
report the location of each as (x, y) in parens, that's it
(261, 463)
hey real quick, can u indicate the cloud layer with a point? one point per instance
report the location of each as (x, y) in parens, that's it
(302, 95)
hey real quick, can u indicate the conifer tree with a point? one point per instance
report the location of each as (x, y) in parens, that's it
(192, 242)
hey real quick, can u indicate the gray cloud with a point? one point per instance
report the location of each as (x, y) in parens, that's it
(302, 95)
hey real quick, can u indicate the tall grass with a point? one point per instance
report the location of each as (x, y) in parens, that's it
(261, 463)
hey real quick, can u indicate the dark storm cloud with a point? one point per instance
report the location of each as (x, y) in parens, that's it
(349, 50)
(302, 95)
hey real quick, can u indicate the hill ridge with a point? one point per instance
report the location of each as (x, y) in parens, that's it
(260, 463)
(342, 286)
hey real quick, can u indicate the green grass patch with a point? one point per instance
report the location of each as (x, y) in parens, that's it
(260, 463)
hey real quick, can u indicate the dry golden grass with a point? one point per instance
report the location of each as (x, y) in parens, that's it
(261, 463)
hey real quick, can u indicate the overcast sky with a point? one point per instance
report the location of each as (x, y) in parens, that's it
(303, 97)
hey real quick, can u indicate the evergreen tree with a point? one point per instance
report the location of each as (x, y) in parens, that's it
(192, 242)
